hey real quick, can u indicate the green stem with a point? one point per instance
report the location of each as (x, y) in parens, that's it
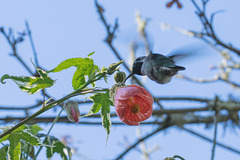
(177, 156)
(55, 120)
(52, 104)
(45, 108)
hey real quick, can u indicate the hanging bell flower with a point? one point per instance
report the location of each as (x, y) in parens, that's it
(73, 114)
(133, 104)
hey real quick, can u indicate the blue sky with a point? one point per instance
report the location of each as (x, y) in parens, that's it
(62, 30)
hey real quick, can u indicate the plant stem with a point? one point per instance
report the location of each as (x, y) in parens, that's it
(54, 122)
(45, 108)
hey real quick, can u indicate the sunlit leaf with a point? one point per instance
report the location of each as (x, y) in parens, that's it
(57, 147)
(14, 150)
(31, 84)
(34, 129)
(3, 152)
(29, 137)
(16, 137)
(102, 101)
(90, 54)
(85, 67)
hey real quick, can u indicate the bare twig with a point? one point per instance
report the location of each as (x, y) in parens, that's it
(13, 43)
(215, 120)
(208, 28)
(21, 108)
(217, 77)
(143, 148)
(32, 44)
(210, 140)
(142, 139)
(110, 38)
(142, 23)
(194, 120)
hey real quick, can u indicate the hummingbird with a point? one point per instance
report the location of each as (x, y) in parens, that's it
(157, 67)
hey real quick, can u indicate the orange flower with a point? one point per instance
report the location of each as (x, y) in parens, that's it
(133, 104)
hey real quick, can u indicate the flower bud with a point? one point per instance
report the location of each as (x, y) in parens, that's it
(119, 77)
(71, 107)
(113, 67)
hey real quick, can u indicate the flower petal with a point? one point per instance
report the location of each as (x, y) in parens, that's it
(133, 104)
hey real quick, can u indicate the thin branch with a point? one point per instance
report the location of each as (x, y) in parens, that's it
(21, 108)
(32, 44)
(50, 105)
(217, 77)
(120, 156)
(208, 25)
(195, 120)
(183, 99)
(141, 24)
(215, 120)
(109, 42)
(13, 43)
(50, 129)
(228, 106)
(210, 140)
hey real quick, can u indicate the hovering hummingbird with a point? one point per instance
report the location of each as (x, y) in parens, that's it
(157, 67)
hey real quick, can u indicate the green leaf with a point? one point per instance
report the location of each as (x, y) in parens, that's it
(29, 137)
(90, 54)
(15, 138)
(70, 63)
(102, 101)
(27, 150)
(106, 121)
(4, 138)
(31, 84)
(85, 67)
(14, 150)
(3, 152)
(34, 129)
(58, 147)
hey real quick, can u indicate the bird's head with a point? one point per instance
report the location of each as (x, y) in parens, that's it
(137, 65)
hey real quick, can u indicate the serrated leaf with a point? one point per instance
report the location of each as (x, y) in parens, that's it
(78, 78)
(35, 129)
(4, 138)
(7, 136)
(85, 67)
(15, 138)
(69, 63)
(14, 150)
(97, 99)
(58, 147)
(3, 152)
(31, 84)
(106, 121)
(102, 101)
(27, 149)
(29, 137)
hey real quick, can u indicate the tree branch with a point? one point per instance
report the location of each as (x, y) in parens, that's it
(210, 140)
(142, 139)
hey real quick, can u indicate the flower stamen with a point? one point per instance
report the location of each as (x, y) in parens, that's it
(135, 108)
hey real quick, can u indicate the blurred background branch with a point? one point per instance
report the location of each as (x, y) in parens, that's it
(215, 112)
